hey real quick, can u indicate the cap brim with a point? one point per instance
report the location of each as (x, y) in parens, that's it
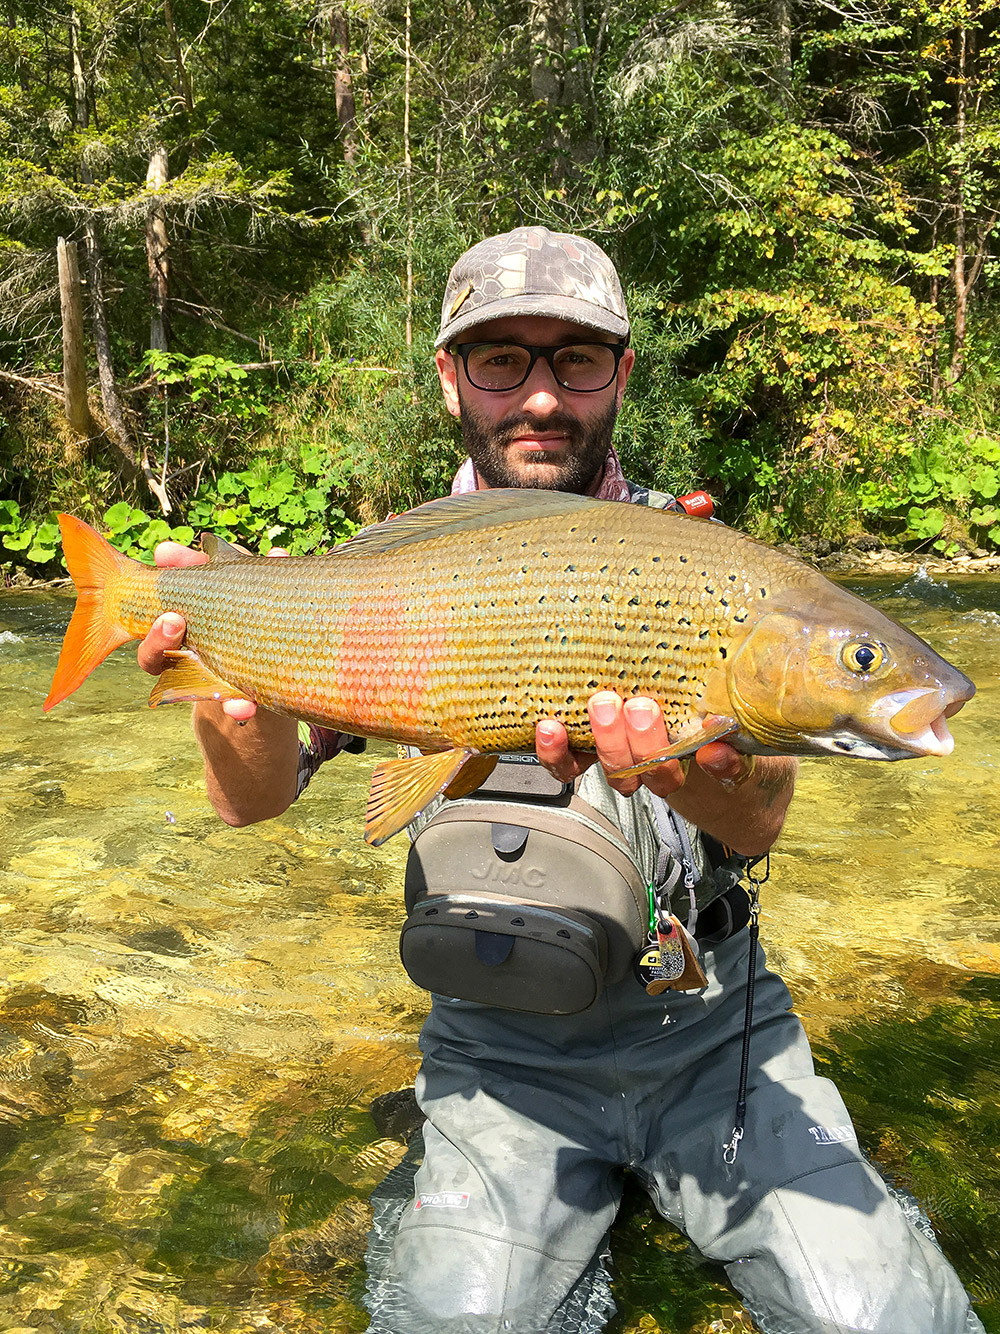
(542, 304)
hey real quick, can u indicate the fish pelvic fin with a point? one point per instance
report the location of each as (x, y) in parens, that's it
(472, 774)
(402, 788)
(92, 633)
(187, 678)
(716, 731)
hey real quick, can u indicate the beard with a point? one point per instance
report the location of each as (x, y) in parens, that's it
(489, 446)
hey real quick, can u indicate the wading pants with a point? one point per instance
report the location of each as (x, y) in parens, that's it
(530, 1121)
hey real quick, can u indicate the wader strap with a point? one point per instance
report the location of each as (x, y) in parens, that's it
(731, 1149)
(675, 857)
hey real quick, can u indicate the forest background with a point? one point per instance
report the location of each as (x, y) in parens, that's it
(225, 227)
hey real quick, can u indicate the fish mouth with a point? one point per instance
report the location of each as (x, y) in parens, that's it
(919, 717)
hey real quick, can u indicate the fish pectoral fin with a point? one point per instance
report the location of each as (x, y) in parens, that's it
(472, 774)
(717, 731)
(187, 678)
(402, 788)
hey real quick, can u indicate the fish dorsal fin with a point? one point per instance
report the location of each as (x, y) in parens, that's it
(217, 548)
(466, 513)
(402, 788)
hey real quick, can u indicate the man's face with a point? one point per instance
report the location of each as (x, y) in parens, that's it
(540, 434)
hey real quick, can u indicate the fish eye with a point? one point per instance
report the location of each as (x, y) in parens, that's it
(864, 656)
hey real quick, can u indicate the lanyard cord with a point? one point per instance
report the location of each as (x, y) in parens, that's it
(732, 1148)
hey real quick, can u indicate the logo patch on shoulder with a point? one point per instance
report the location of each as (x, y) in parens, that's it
(832, 1134)
(443, 1199)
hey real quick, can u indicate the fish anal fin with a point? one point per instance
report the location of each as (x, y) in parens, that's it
(402, 788)
(718, 730)
(187, 678)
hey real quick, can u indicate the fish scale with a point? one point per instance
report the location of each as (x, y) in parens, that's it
(457, 626)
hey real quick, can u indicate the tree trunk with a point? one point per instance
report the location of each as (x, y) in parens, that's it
(343, 86)
(180, 68)
(548, 21)
(960, 277)
(408, 180)
(121, 436)
(157, 245)
(781, 11)
(74, 366)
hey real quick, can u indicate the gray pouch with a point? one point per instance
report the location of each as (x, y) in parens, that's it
(526, 906)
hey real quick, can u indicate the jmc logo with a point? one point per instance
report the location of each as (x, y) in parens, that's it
(504, 873)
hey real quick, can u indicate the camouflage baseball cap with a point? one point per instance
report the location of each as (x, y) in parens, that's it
(532, 271)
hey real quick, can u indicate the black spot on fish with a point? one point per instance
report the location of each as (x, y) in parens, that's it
(703, 634)
(763, 592)
(656, 674)
(633, 602)
(656, 560)
(620, 625)
(605, 597)
(571, 569)
(722, 652)
(603, 569)
(732, 578)
(634, 570)
(683, 559)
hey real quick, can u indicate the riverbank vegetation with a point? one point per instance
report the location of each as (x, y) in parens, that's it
(225, 229)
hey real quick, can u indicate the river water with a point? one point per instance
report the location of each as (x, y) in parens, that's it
(195, 1021)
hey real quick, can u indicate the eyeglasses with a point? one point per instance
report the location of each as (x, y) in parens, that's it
(583, 368)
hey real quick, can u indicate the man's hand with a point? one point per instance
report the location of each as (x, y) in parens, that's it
(167, 631)
(250, 770)
(725, 793)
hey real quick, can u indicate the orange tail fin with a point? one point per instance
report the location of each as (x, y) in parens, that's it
(92, 634)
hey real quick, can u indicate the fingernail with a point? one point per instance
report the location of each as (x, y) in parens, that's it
(172, 626)
(642, 714)
(604, 710)
(548, 731)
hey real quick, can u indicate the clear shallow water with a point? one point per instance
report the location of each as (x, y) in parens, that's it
(194, 1020)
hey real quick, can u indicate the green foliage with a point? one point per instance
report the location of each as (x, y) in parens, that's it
(949, 483)
(222, 387)
(273, 504)
(136, 534)
(33, 541)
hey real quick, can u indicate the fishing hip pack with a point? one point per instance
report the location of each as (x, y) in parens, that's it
(530, 904)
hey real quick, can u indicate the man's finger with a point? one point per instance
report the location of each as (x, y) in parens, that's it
(552, 748)
(173, 555)
(607, 722)
(166, 632)
(647, 735)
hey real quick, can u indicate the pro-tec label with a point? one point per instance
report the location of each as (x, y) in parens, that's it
(443, 1199)
(832, 1134)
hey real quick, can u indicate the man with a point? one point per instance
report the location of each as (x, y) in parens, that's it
(531, 1118)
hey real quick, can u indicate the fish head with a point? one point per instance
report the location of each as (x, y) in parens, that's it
(843, 680)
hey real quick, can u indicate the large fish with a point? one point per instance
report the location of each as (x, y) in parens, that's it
(456, 626)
